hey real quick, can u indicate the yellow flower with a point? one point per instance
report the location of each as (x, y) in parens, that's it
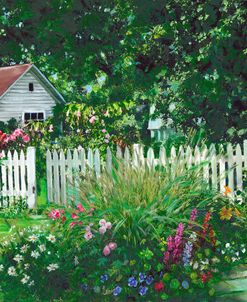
(132, 262)
(227, 190)
(226, 213)
(237, 213)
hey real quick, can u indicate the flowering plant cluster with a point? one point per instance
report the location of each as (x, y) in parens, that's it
(17, 138)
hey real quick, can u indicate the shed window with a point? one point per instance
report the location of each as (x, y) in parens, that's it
(31, 87)
(34, 116)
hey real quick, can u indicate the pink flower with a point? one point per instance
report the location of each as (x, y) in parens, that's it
(18, 132)
(166, 256)
(102, 222)
(88, 235)
(1, 155)
(88, 228)
(12, 137)
(72, 224)
(108, 225)
(80, 207)
(107, 135)
(106, 113)
(112, 246)
(78, 114)
(106, 141)
(54, 214)
(104, 130)
(102, 230)
(26, 138)
(92, 119)
(74, 216)
(106, 251)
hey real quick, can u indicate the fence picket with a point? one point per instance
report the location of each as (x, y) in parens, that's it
(189, 157)
(97, 162)
(48, 176)
(119, 154)
(245, 154)
(150, 158)
(222, 171)
(230, 171)
(204, 159)
(63, 177)
(90, 160)
(56, 178)
(10, 175)
(239, 167)
(127, 156)
(23, 174)
(82, 159)
(4, 180)
(108, 160)
(16, 174)
(213, 166)
(31, 177)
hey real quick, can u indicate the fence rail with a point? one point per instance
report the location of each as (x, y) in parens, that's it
(221, 168)
(18, 177)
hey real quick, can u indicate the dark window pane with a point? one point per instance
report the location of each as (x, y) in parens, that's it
(34, 116)
(27, 116)
(40, 116)
(31, 87)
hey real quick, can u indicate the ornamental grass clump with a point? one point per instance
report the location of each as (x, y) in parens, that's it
(140, 201)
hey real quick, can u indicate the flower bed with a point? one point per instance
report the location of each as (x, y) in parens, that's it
(88, 253)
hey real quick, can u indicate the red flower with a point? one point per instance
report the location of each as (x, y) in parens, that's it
(159, 286)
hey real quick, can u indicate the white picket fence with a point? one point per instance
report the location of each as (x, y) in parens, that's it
(220, 169)
(18, 177)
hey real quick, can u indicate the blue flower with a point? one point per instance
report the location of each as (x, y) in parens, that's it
(161, 274)
(132, 282)
(117, 290)
(84, 286)
(149, 279)
(185, 284)
(103, 278)
(143, 290)
(142, 277)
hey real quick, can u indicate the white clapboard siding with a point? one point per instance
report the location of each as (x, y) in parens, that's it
(19, 99)
(219, 168)
(18, 177)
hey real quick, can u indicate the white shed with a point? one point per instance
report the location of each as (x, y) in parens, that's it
(159, 130)
(26, 94)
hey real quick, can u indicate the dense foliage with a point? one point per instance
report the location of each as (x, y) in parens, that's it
(188, 57)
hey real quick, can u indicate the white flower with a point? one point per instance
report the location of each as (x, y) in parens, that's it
(206, 262)
(76, 260)
(237, 254)
(24, 248)
(234, 259)
(227, 245)
(35, 254)
(215, 260)
(42, 248)
(1, 267)
(52, 267)
(31, 283)
(195, 265)
(18, 258)
(25, 279)
(222, 252)
(26, 266)
(12, 271)
(51, 238)
(243, 250)
(33, 238)
(193, 236)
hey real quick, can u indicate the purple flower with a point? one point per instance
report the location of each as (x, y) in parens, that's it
(132, 282)
(193, 214)
(185, 284)
(142, 277)
(187, 253)
(103, 278)
(117, 290)
(149, 279)
(143, 290)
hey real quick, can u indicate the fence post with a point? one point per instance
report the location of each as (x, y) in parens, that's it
(31, 177)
